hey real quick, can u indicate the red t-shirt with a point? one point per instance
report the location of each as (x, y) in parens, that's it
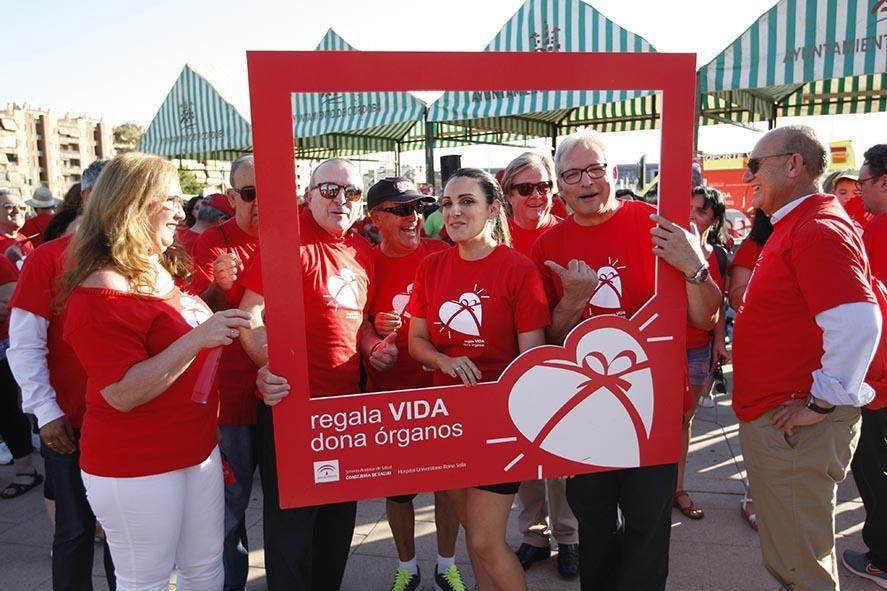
(394, 283)
(336, 290)
(112, 331)
(187, 238)
(875, 240)
(855, 208)
(8, 274)
(236, 378)
(522, 240)
(476, 309)
(696, 337)
(36, 225)
(19, 238)
(36, 291)
(620, 250)
(746, 255)
(813, 262)
(558, 207)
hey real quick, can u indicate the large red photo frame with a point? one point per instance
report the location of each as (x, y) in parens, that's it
(533, 422)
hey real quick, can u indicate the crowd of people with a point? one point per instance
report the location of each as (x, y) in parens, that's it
(112, 323)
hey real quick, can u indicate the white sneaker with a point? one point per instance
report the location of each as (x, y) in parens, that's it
(707, 401)
(5, 454)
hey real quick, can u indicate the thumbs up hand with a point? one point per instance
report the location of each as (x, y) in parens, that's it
(578, 279)
(384, 353)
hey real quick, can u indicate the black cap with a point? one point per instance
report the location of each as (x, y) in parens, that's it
(394, 188)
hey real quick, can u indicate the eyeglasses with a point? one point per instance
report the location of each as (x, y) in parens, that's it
(331, 191)
(869, 178)
(574, 175)
(12, 208)
(754, 164)
(526, 189)
(247, 193)
(173, 203)
(405, 209)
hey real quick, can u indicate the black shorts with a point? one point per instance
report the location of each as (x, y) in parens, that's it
(507, 488)
(402, 498)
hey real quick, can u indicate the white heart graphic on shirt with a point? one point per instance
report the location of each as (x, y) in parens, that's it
(345, 288)
(193, 311)
(608, 293)
(399, 302)
(464, 315)
(597, 409)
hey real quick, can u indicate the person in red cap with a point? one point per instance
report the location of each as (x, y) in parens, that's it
(209, 211)
(219, 254)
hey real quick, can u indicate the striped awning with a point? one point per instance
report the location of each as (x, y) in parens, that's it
(204, 116)
(551, 25)
(804, 57)
(350, 123)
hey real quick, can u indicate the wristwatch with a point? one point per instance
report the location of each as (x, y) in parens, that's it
(699, 276)
(811, 404)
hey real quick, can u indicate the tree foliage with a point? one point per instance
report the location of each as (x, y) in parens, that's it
(190, 184)
(127, 137)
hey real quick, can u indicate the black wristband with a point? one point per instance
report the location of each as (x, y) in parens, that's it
(811, 404)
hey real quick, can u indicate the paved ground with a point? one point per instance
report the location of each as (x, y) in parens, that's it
(719, 552)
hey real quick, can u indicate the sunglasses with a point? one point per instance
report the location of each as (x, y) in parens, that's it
(526, 189)
(173, 203)
(405, 209)
(331, 191)
(247, 193)
(10, 208)
(754, 164)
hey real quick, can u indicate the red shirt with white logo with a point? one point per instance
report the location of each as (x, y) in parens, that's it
(696, 337)
(336, 291)
(112, 331)
(477, 308)
(236, 378)
(394, 283)
(813, 262)
(36, 291)
(619, 249)
(522, 240)
(19, 238)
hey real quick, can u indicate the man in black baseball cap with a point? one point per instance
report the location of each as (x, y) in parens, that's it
(396, 208)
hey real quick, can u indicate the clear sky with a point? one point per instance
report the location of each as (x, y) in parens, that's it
(117, 59)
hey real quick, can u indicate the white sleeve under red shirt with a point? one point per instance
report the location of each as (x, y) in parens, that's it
(620, 250)
(522, 240)
(112, 331)
(696, 337)
(336, 290)
(394, 278)
(36, 292)
(236, 378)
(477, 308)
(812, 263)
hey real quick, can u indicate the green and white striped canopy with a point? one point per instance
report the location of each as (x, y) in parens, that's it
(804, 57)
(349, 123)
(550, 25)
(205, 115)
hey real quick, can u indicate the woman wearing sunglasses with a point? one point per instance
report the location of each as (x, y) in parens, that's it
(528, 185)
(149, 455)
(474, 309)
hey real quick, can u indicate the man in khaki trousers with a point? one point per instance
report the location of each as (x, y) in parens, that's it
(804, 337)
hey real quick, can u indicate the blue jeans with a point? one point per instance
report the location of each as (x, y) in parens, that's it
(239, 446)
(74, 539)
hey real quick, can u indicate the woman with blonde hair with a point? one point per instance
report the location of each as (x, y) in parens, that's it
(474, 309)
(528, 184)
(149, 456)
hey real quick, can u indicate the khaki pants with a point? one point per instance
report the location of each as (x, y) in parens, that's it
(535, 514)
(794, 481)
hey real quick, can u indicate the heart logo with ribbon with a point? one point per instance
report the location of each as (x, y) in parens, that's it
(399, 302)
(594, 409)
(194, 312)
(608, 293)
(344, 288)
(464, 315)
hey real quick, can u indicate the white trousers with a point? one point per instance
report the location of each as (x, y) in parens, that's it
(164, 521)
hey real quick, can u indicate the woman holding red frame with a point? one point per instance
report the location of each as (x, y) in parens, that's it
(149, 455)
(474, 309)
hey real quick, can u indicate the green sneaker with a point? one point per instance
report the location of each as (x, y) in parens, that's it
(449, 580)
(404, 580)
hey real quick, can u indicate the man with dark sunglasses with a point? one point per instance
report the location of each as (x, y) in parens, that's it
(396, 208)
(870, 460)
(220, 254)
(306, 548)
(802, 342)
